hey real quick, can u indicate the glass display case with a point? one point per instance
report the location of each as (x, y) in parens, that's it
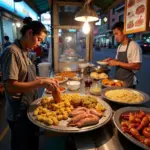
(72, 45)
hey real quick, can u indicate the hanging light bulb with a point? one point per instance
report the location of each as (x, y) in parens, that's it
(86, 27)
(86, 13)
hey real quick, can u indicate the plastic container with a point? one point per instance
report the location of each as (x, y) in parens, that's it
(44, 69)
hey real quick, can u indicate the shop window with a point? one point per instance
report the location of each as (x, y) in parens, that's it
(9, 29)
(113, 11)
(113, 20)
(121, 18)
(72, 45)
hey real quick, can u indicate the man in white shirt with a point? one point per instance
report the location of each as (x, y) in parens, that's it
(128, 58)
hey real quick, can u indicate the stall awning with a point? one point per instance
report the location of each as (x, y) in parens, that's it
(41, 6)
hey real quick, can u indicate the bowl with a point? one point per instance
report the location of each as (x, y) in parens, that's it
(102, 63)
(83, 65)
(73, 85)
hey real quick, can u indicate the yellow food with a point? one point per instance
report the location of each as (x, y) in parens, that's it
(123, 95)
(50, 113)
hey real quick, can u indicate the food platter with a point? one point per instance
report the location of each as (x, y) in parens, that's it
(98, 76)
(67, 74)
(62, 126)
(144, 96)
(60, 79)
(116, 120)
(113, 83)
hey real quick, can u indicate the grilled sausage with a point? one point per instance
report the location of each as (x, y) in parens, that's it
(74, 113)
(94, 112)
(90, 120)
(77, 118)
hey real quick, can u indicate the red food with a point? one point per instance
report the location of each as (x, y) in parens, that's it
(140, 9)
(135, 133)
(91, 120)
(147, 142)
(131, 3)
(124, 124)
(139, 22)
(133, 125)
(125, 129)
(130, 24)
(146, 132)
(141, 114)
(144, 123)
(125, 116)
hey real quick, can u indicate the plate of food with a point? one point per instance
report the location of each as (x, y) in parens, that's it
(67, 74)
(134, 124)
(75, 113)
(61, 88)
(76, 78)
(124, 95)
(104, 63)
(98, 76)
(61, 79)
(113, 83)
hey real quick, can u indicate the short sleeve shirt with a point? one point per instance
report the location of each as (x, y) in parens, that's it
(134, 53)
(13, 67)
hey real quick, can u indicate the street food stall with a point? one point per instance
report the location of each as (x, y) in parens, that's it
(97, 112)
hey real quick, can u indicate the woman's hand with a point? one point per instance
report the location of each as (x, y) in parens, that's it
(107, 59)
(49, 84)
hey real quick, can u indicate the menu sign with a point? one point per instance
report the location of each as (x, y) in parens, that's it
(136, 16)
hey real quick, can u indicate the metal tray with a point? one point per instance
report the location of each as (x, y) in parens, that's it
(62, 127)
(145, 96)
(107, 86)
(116, 120)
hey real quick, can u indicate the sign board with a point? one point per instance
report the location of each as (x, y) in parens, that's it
(136, 16)
(7, 4)
(23, 10)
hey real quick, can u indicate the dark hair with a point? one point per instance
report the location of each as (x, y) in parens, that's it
(36, 27)
(118, 25)
(27, 20)
(6, 38)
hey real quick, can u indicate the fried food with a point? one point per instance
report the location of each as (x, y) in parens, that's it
(51, 113)
(115, 83)
(137, 125)
(67, 74)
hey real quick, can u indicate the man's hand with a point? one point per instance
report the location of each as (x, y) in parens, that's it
(113, 62)
(107, 59)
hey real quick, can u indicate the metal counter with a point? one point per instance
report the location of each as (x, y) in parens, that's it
(106, 137)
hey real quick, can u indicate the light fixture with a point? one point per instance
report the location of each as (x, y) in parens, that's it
(13, 24)
(68, 38)
(86, 28)
(105, 19)
(18, 24)
(86, 13)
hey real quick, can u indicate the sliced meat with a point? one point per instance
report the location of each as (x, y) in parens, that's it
(77, 112)
(96, 113)
(80, 108)
(77, 118)
(90, 120)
